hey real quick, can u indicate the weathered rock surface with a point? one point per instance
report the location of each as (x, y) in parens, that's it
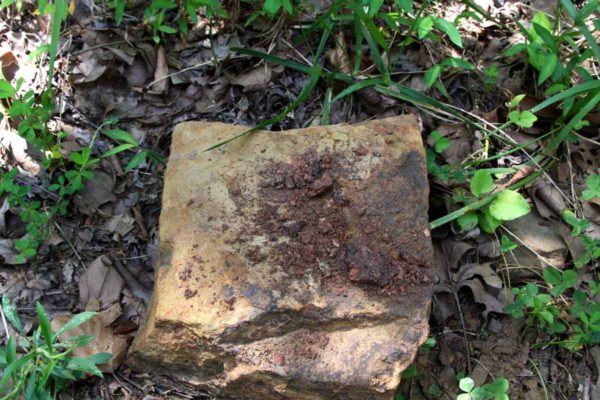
(291, 265)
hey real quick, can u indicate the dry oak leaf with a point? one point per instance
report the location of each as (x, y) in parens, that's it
(106, 341)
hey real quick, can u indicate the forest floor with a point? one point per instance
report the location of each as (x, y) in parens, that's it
(100, 255)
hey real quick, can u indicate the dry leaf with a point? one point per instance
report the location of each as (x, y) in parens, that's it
(102, 282)
(17, 146)
(338, 56)
(96, 192)
(257, 78)
(548, 200)
(138, 73)
(10, 65)
(161, 72)
(106, 340)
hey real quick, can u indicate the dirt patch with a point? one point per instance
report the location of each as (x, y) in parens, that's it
(316, 224)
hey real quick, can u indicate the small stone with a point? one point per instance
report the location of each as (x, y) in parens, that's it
(279, 359)
(321, 186)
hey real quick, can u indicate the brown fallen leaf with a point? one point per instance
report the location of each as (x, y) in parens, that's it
(338, 56)
(161, 72)
(257, 78)
(96, 192)
(10, 65)
(548, 200)
(17, 146)
(106, 341)
(101, 281)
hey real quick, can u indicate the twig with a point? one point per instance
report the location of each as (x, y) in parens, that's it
(140, 222)
(76, 53)
(138, 387)
(460, 313)
(537, 370)
(538, 255)
(121, 383)
(70, 245)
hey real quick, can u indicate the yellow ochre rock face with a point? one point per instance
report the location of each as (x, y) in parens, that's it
(291, 265)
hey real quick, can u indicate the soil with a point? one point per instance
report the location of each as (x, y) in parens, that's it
(316, 226)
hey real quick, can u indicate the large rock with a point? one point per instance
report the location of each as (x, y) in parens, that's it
(291, 265)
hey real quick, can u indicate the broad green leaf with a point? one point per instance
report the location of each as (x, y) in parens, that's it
(432, 75)
(468, 221)
(406, 6)
(83, 365)
(569, 278)
(508, 205)
(546, 37)
(167, 29)
(11, 350)
(487, 222)
(45, 326)
(424, 26)
(100, 358)
(272, 6)
(287, 4)
(410, 372)
(136, 160)
(121, 136)
(481, 183)
(119, 10)
(515, 101)
(548, 68)
(441, 143)
(593, 187)
(450, 30)
(455, 62)
(10, 312)
(542, 20)
(75, 321)
(552, 276)
(506, 244)
(547, 316)
(466, 384)
(6, 90)
(524, 119)
(115, 150)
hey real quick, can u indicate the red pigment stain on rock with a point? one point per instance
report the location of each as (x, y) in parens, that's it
(279, 359)
(338, 237)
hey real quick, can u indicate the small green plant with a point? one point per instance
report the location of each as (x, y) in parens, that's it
(46, 364)
(524, 119)
(571, 321)
(432, 76)
(506, 244)
(495, 390)
(32, 114)
(491, 211)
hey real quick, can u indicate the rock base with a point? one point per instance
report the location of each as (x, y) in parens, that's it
(291, 265)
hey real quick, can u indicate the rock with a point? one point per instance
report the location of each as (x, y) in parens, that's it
(291, 265)
(538, 238)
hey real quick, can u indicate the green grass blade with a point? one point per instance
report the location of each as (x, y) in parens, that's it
(274, 59)
(59, 15)
(45, 326)
(594, 99)
(326, 107)
(315, 76)
(575, 90)
(356, 87)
